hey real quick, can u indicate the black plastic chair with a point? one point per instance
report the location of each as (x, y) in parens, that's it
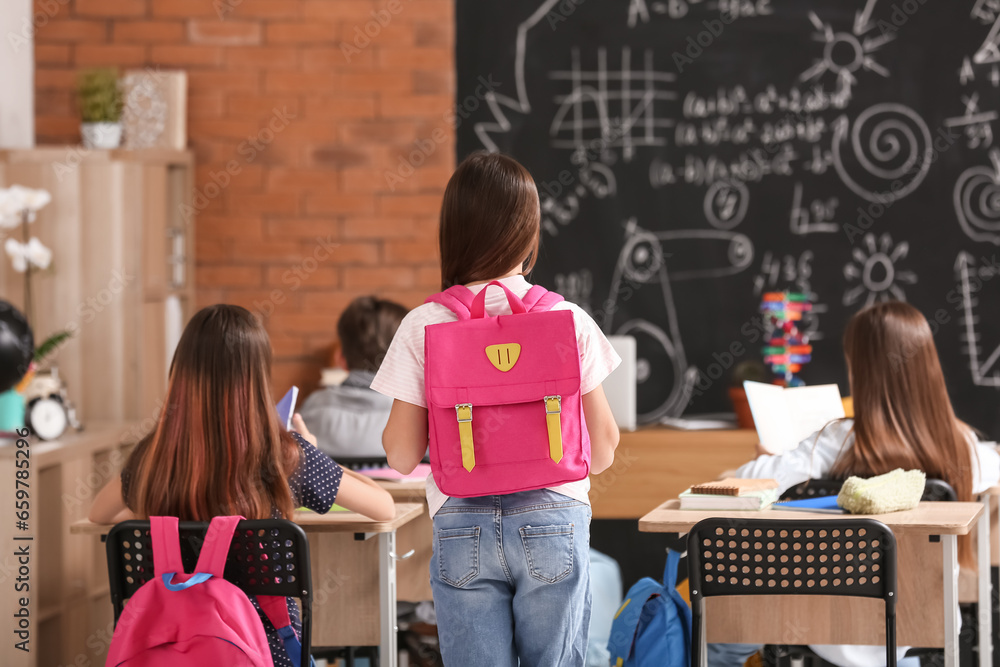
(848, 557)
(934, 489)
(266, 557)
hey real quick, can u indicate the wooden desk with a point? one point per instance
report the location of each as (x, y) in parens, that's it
(413, 571)
(926, 614)
(69, 621)
(354, 576)
(655, 463)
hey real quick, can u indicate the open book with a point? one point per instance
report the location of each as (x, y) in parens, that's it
(784, 417)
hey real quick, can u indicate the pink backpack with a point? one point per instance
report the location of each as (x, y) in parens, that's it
(199, 619)
(504, 406)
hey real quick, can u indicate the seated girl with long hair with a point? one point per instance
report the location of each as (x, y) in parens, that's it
(218, 448)
(903, 419)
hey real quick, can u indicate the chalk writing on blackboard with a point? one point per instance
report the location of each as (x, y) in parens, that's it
(616, 107)
(846, 53)
(985, 368)
(874, 266)
(977, 201)
(892, 144)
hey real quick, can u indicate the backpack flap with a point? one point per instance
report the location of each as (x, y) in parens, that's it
(626, 621)
(504, 401)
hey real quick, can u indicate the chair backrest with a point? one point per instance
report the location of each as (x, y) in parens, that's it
(855, 557)
(934, 489)
(266, 557)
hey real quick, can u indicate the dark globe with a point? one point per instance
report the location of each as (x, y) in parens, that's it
(17, 346)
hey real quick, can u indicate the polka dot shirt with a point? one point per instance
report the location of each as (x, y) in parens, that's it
(314, 485)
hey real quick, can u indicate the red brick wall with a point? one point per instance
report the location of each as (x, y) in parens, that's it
(311, 116)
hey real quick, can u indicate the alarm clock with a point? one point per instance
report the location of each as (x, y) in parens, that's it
(49, 411)
(46, 417)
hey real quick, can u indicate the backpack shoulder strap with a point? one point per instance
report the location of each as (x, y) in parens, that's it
(215, 549)
(539, 299)
(680, 604)
(165, 539)
(275, 608)
(457, 298)
(626, 621)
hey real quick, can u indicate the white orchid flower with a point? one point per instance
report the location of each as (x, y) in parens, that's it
(33, 252)
(16, 199)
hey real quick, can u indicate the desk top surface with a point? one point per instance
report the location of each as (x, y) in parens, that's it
(332, 522)
(936, 518)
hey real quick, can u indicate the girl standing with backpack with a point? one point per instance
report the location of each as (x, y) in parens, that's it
(510, 572)
(218, 448)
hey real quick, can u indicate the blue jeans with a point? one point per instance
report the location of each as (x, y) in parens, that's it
(511, 580)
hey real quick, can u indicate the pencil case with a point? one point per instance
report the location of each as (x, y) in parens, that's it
(892, 492)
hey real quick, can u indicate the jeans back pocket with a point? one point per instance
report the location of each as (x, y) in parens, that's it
(458, 555)
(549, 550)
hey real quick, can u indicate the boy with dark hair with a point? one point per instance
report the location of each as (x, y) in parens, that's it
(348, 419)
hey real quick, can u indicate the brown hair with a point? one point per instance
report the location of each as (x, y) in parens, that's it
(217, 447)
(365, 329)
(490, 220)
(903, 417)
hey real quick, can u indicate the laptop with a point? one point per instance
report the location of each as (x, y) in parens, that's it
(620, 386)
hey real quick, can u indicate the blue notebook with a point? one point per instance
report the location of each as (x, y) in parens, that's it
(827, 504)
(286, 408)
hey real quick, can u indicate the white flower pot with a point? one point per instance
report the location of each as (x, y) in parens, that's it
(101, 135)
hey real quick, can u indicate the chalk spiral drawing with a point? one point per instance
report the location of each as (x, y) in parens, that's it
(977, 201)
(985, 373)
(892, 144)
(644, 260)
(877, 271)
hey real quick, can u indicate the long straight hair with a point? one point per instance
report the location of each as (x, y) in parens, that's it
(217, 447)
(903, 417)
(490, 220)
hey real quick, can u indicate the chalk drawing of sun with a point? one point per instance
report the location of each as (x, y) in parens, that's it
(844, 53)
(877, 272)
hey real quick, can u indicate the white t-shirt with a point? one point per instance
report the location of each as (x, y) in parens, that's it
(813, 458)
(401, 375)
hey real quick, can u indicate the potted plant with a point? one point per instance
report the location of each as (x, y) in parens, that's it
(100, 108)
(752, 370)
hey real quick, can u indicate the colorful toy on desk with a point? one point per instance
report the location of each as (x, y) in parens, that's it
(787, 349)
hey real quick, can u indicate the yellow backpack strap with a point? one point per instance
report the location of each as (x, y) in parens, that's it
(463, 412)
(553, 419)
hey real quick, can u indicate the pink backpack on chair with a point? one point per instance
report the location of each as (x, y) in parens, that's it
(504, 408)
(197, 620)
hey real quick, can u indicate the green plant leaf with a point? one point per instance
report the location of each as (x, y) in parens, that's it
(51, 344)
(100, 96)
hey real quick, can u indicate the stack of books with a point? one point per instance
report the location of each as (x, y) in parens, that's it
(731, 494)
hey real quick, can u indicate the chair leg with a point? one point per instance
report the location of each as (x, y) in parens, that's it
(697, 644)
(890, 638)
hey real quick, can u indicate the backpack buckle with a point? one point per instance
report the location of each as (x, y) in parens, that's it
(463, 412)
(553, 423)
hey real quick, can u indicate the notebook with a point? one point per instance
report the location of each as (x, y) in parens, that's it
(824, 504)
(753, 500)
(784, 417)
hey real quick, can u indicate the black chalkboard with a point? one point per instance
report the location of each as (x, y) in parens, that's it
(691, 154)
